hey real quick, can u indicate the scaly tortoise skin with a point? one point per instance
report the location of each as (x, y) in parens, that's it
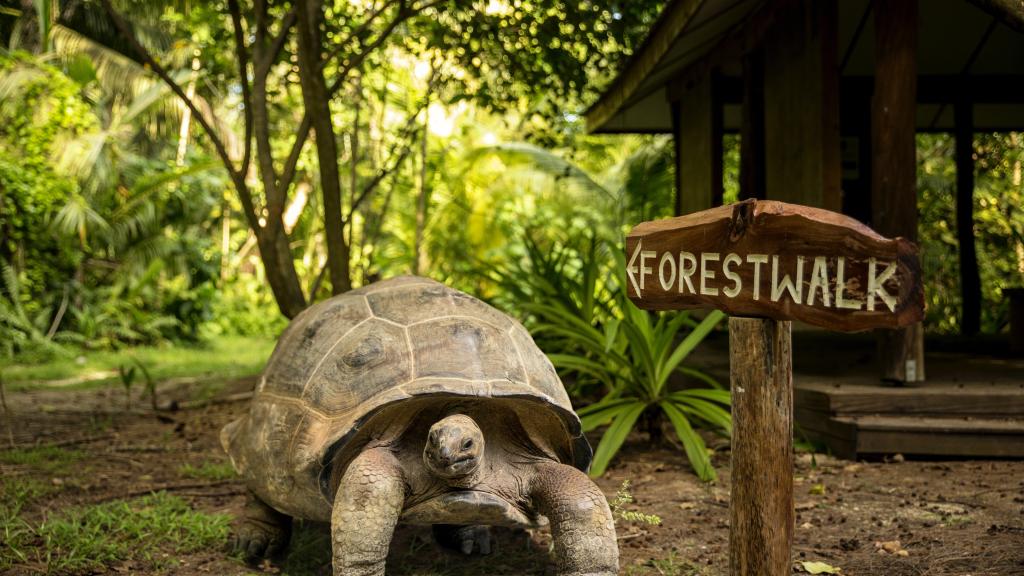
(408, 401)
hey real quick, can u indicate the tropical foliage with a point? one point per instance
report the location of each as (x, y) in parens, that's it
(998, 222)
(629, 365)
(188, 172)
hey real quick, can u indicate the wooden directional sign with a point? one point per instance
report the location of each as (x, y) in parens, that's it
(775, 260)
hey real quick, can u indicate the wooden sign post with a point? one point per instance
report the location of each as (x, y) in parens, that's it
(767, 263)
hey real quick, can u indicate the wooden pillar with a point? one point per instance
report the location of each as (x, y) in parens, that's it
(717, 143)
(752, 184)
(855, 116)
(970, 279)
(894, 163)
(695, 158)
(801, 106)
(761, 504)
(677, 149)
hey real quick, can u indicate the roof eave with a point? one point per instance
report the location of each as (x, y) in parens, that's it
(670, 23)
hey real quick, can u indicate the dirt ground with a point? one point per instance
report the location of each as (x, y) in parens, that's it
(949, 518)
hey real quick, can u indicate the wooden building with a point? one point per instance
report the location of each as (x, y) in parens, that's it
(827, 96)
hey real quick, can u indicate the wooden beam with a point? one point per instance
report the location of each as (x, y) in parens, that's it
(826, 19)
(752, 179)
(677, 148)
(696, 145)
(717, 145)
(673, 19)
(801, 106)
(856, 154)
(970, 279)
(894, 163)
(931, 89)
(761, 504)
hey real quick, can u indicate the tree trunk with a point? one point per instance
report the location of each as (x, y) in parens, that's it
(421, 203)
(186, 115)
(276, 255)
(317, 103)
(30, 38)
(280, 268)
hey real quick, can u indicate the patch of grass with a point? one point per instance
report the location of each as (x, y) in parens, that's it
(16, 492)
(147, 529)
(49, 459)
(309, 552)
(224, 357)
(15, 535)
(670, 566)
(208, 471)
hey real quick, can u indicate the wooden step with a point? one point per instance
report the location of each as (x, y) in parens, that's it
(945, 400)
(853, 436)
(976, 437)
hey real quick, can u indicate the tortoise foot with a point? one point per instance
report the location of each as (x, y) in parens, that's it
(464, 539)
(262, 532)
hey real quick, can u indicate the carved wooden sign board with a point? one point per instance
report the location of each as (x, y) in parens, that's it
(770, 259)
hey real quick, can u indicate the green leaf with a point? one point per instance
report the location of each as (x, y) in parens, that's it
(690, 342)
(577, 363)
(81, 70)
(720, 396)
(704, 410)
(596, 414)
(696, 451)
(693, 373)
(611, 332)
(614, 436)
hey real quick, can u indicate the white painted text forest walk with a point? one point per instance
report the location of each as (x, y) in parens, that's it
(769, 259)
(817, 281)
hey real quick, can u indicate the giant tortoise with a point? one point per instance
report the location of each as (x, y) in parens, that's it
(408, 401)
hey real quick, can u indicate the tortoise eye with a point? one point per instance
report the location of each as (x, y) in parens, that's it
(467, 444)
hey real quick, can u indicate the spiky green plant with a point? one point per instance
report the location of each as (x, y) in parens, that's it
(577, 310)
(634, 353)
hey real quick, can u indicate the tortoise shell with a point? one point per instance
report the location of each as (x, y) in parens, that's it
(343, 360)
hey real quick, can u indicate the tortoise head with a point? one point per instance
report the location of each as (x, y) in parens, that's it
(455, 449)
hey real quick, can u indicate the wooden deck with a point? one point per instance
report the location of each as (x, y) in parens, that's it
(972, 404)
(931, 420)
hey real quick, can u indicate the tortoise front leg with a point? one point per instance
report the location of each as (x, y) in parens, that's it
(581, 522)
(366, 509)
